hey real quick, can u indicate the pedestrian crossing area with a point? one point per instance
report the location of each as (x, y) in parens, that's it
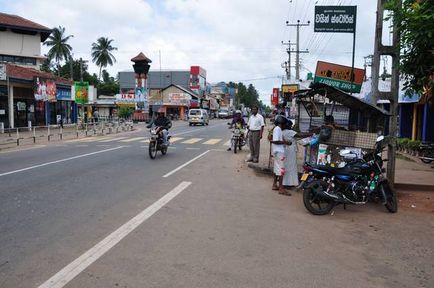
(132, 140)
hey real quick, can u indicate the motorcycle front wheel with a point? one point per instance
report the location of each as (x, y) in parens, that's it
(391, 200)
(164, 150)
(426, 154)
(234, 145)
(313, 202)
(153, 149)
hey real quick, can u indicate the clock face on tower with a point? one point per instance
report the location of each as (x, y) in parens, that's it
(2, 72)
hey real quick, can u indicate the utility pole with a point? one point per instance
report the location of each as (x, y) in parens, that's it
(285, 65)
(297, 52)
(368, 62)
(81, 70)
(392, 95)
(288, 50)
(71, 69)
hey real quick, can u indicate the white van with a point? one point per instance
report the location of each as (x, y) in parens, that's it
(198, 116)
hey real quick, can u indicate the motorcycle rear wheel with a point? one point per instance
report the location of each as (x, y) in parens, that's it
(391, 201)
(152, 149)
(314, 203)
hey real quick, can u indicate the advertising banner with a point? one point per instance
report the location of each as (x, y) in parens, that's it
(290, 88)
(338, 76)
(3, 72)
(141, 95)
(81, 92)
(179, 99)
(125, 98)
(44, 89)
(63, 94)
(275, 97)
(335, 19)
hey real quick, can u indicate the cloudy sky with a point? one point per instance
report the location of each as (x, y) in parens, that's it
(234, 40)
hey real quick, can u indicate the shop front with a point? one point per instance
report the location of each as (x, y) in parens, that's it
(30, 98)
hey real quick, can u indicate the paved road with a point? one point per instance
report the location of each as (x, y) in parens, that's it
(98, 212)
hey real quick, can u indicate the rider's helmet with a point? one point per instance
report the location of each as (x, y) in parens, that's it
(238, 112)
(160, 112)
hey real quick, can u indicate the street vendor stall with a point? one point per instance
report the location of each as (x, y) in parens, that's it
(352, 124)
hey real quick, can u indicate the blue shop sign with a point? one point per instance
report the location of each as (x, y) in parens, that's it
(63, 94)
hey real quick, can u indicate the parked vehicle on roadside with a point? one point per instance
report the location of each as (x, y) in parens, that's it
(360, 181)
(198, 116)
(426, 153)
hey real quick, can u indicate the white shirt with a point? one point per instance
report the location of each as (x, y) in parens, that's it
(277, 136)
(256, 122)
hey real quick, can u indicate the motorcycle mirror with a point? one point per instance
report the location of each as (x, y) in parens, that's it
(380, 138)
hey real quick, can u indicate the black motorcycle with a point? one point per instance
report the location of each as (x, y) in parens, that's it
(358, 182)
(426, 153)
(156, 142)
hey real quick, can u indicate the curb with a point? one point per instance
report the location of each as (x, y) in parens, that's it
(414, 187)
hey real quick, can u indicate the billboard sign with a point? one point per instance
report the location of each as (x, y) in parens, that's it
(3, 72)
(141, 95)
(341, 19)
(275, 97)
(290, 88)
(338, 76)
(125, 98)
(63, 94)
(81, 92)
(44, 89)
(179, 99)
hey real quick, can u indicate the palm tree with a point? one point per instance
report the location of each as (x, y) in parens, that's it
(60, 49)
(101, 53)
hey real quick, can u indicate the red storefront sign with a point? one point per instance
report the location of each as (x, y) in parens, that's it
(275, 97)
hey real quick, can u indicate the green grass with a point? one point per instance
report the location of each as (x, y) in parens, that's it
(402, 157)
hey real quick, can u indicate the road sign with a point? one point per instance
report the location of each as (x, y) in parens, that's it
(335, 19)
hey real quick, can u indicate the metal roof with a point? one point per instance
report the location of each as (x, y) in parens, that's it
(341, 97)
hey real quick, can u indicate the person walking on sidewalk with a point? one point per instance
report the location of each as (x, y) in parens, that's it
(278, 151)
(256, 129)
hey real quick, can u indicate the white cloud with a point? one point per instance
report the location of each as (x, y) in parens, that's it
(231, 39)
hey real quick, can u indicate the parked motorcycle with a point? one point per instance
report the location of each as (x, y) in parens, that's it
(426, 152)
(237, 139)
(156, 142)
(358, 182)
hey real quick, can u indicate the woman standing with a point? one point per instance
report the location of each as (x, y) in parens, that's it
(291, 174)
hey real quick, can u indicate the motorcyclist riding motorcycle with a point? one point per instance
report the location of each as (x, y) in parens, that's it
(239, 123)
(163, 125)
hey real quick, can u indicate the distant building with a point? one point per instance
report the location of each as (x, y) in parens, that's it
(28, 95)
(168, 87)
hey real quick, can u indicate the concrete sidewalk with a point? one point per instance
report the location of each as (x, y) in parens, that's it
(411, 173)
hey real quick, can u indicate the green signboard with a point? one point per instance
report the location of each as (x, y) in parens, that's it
(335, 19)
(81, 92)
(338, 84)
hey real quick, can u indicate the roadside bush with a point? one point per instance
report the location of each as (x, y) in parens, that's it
(407, 145)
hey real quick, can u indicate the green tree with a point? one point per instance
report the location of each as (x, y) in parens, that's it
(65, 71)
(414, 20)
(60, 49)
(101, 53)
